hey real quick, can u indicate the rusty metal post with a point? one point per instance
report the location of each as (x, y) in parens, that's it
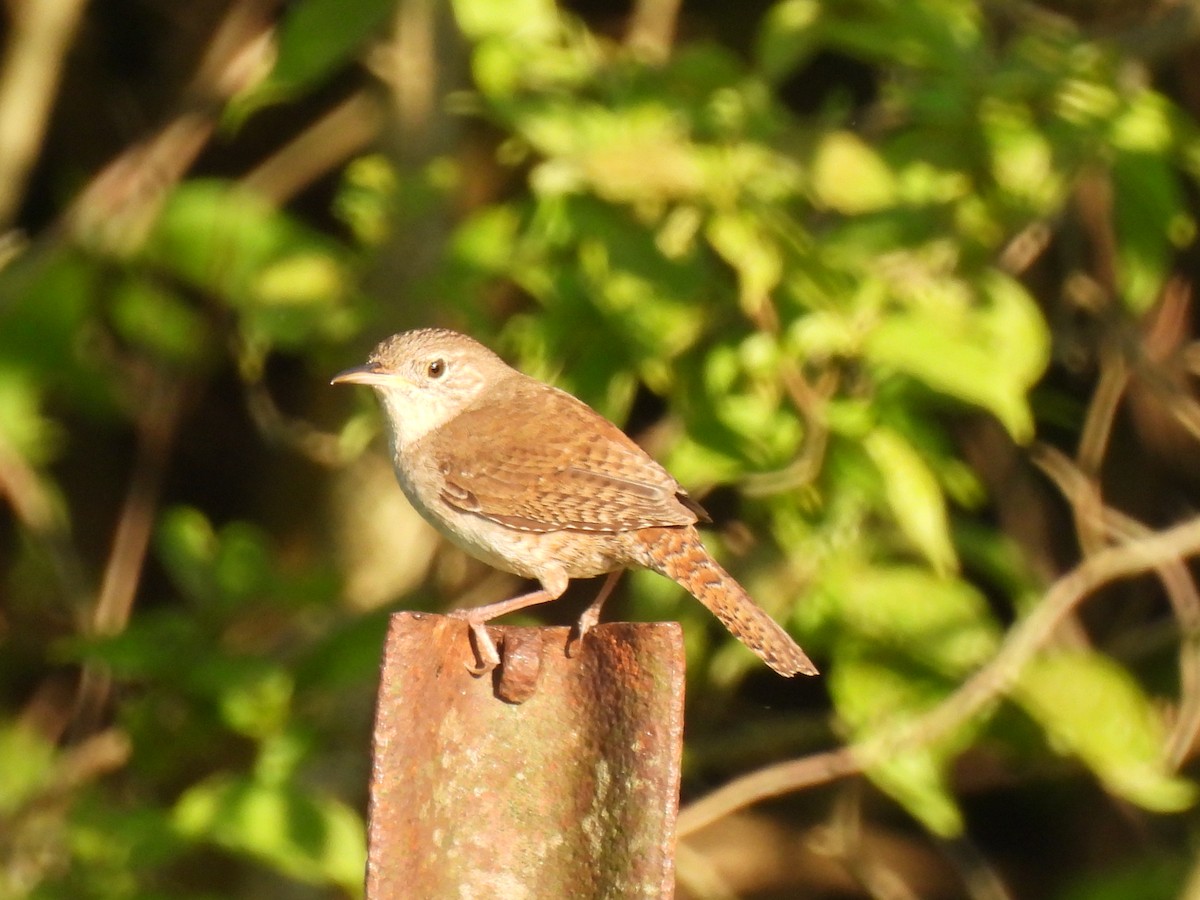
(567, 788)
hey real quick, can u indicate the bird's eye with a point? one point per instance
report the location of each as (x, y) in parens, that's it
(437, 368)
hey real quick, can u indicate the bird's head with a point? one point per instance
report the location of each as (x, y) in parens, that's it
(425, 378)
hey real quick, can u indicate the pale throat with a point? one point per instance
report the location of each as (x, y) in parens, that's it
(413, 412)
(409, 418)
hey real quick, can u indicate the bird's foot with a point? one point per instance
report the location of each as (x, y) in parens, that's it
(488, 657)
(591, 615)
(586, 623)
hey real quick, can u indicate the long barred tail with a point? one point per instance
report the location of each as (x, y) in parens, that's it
(678, 554)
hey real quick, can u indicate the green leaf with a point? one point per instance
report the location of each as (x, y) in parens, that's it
(367, 199)
(849, 176)
(187, 545)
(987, 353)
(1151, 223)
(636, 154)
(753, 255)
(871, 695)
(311, 838)
(914, 496)
(787, 37)
(486, 241)
(27, 760)
(258, 704)
(1093, 708)
(1022, 157)
(315, 38)
(942, 624)
(23, 427)
(528, 20)
(287, 283)
(156, 318)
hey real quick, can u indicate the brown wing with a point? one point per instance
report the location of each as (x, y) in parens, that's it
(552, 463)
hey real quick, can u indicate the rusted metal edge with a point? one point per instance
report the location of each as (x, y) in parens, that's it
(567, 788)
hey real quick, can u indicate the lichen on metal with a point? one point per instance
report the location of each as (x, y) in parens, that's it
(555, 776)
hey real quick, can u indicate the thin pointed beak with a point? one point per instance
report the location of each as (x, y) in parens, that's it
(368, 374)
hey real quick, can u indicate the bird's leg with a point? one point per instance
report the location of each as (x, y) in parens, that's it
(476, 617)
(591, 615)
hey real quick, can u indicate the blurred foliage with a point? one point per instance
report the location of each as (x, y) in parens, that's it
(856, 260)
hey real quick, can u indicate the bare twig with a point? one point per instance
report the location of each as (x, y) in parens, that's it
(696, 872)
(980, 879)
(980, 690)
(1097, 426)
(414, 73)
(342, 132)
(1177, 582)
(769, 781)
(1121, 561)
(157, 423)
(121, 202)
(37, 511)
(38, 37)
(810, 402)
(1025, 247)
(843, 839)
(295, 433)
(156, 431)
(652, 29)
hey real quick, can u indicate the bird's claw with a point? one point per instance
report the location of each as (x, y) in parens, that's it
(585, 624)
(574, 640)
(484, 646)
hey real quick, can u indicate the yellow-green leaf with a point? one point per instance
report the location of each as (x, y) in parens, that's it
(1094, 709)
(850, 177)
(914, 495)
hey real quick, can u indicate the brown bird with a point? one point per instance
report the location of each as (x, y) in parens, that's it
(533, 481)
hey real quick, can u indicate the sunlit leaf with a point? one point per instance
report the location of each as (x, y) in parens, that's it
(525, 19)
(24, 428)
(311, 838)
(151, 316)
(258, 706)
(849, 176)
(914, 495)
(786, 36)
(941, 623)
(869, 696)
(989, 356)
(286, 282)
(1151, 225)
(28, 762)
(751, 253)
(314, 39)
(1092, 708)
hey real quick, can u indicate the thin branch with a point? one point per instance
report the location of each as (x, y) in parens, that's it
(157, 425)
(1177, 583)
(983, 688)
(297, 434)
(120, 203)
(40, 515)
(843, 840)
(652, 29)
(769, 781)
(697, 874)
(1025, 247)
(1025, 639)
(40, 31)
(339, 134)
(979, 877)
(1102, 410)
